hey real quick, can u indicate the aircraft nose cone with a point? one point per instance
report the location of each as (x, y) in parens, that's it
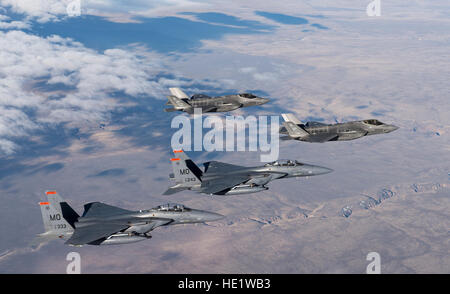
(390, 128)
(211, 216)
(263, 100)
(320, 170)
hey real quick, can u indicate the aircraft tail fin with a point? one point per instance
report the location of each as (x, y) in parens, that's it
(70, 215)
(294, 130)
(290, 117)
(54, 213)
(185, 172)
(178, 93)
(177, 103)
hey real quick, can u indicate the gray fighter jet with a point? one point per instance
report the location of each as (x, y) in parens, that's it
(180, 101)
(103, 224)
(218, 178)
(316, 132)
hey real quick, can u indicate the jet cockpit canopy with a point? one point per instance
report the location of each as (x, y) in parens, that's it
(248, 95)
(172, 207)
(284, 162)
(374, 122)
(199, 96)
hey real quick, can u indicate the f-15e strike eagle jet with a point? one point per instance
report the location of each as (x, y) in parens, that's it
(103, 224)
(180, 101)
(316, 132)
(218, 178)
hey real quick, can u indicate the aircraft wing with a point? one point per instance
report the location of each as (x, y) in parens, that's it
(170, 109)
(91, 233)
(98, 209)
(213, 167)
(216, 185)
(323, 138)
(175, 189)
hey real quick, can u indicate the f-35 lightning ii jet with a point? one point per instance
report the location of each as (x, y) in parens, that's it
(218, 178)
(180, 101)
(316, 132)
(103, 224)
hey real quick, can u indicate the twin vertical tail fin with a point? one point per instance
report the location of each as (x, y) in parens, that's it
(178, 93)
(185, 172)
(58, 216)
(177, 100)
(177, 103)
(293, 126)
(290, 117)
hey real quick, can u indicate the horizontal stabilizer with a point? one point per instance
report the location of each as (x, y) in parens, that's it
(175, 189)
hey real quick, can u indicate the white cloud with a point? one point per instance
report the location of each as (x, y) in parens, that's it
(31, 65)
(265, 76)
(42, 10)
(247, 69)
(259, 76)
(7, 147)
(116, 10)
(7, 23)
(14, 25)
(35, 70)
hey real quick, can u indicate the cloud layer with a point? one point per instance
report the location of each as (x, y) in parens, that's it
(52, 80)
(53, 10)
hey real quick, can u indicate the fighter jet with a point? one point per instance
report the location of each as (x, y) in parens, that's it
(316, 132)
(180, 101)
(218, 178)
(103, 224)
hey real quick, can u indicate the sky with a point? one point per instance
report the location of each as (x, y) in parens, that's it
(81, 111)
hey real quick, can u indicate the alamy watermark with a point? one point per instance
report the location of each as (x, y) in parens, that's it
(74, 266)
(374, 8)
(374, 267)
(227, 134)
